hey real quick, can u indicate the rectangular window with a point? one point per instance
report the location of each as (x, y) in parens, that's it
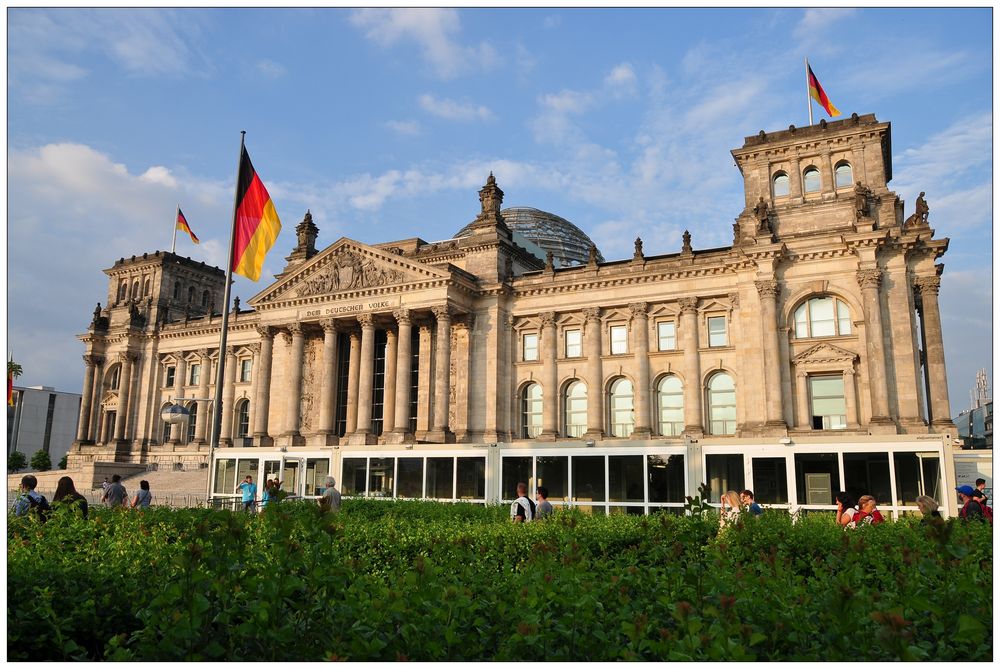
(381, 477)
(770, 481)
(353, 479)
(821, 317)
(246, 468)
(867, 474)
(225, 476)
(666, 335)
(619, 339)
(168, 378)
(440, 478)
(48, 422)
(529, 347)
(817, 478)
(829, 408)
(245, 366)
(666, 478)
(724, 472)
(574, 345)
(515, 470)
(195, 374)
(471, 478)
(625, 478)
(410, 478)
(553, 473)
(588, 479)
(317, 469)
(917, 474)
(717, 331)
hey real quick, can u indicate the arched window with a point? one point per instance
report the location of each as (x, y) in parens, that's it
(721, 404)
(115, 377)
(622, 412)
(190, 293)
(122, 291)
(192, 421)
(177, 290)
(575, 409)
(810, 179)
(670, 400)
(243, 419)
(780, 184)
(824, 316)
(146, 288)
(135, 290)
(165, 436)
(531, 411)
(204, 299)
(843, 176)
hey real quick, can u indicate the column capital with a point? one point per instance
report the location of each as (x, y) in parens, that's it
(366, 320)
(927, 285)
(592, 313)
(688, 305)
(93, 360)
(265, 331)
(402, 316)
(638, 309)
(767, 288)
(548, 319)
(442, 312)
(295, 328)
(869, 278)
(202, 353)
(254, 348)
(230, 351)
(329, 326)
(127, 356)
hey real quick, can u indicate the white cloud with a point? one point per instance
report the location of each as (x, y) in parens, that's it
(816, 22)
(567, 102)
(435, 32)
(454, 111)
(270, 69)
(404, 127)
(159, 175)
(621, 78)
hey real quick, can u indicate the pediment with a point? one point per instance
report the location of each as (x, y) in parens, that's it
(110, 400)
(714, 304)
(825, 353)
(348, 266)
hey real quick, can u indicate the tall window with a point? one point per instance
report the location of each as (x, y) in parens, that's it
(165, 436)
(168, 377)
(192, 421)
(243, 419)
(780, 184)
(622, 413)
(204, 298)
(116, 375)
(574, 344)
(191, 294)
(529, 347)
(575, 409)
(619, 339)
(135, 290)
(843, 175)
(717, 331)
(670, 399)
(810, 180)
(531, 411)
(145, 288)
(246, 365)
(722, 404)
(822, 317)
(195, 374)
(177, 290)
(122, 291)
(666, 335)
(829, 408)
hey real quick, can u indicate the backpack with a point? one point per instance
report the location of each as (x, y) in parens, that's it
(987, 511)
(40, 507)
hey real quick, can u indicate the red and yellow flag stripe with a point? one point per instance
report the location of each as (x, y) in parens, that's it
(257, 223)
(182, 224)
(819, 95)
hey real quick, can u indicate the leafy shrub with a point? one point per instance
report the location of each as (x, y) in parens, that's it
(435, 582)
(41, 461)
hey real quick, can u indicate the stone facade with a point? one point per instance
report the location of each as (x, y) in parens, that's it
(820, 320)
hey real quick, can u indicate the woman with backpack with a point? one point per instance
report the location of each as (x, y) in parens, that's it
(143, 497)
(66, 495)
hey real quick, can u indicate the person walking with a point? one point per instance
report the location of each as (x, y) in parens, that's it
(143, 497)
(30, 500)
(544, 507)
(67, 496)
(729, 510)
(330, 501)
(115, 495)
(249, 490)
(752, 507)
(523, 509)
(928, 509)
(846, 509)
(971, 508)
(867, 513)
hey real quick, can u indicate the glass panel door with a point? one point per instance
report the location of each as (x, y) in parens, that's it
(291, 470)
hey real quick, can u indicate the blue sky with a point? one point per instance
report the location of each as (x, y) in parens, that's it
(385, 124)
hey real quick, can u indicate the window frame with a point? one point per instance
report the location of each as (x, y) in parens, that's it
(725, 330)
(532, 408)
(774, 181)
(805, 180)
(578, 345)
(524, 346)
(805, 307)
(660, 336)
(194, 370)
(616, 428)
(169, 376)
(836, 174)
(832, 376)
(246, 371)
(621, 343)
(713, 407)
(660, 394)
(581, 428)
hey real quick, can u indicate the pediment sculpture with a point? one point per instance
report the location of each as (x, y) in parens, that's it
(349, 270)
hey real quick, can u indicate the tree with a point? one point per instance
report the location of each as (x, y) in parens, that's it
(62, 463)
(14, 369)
(41, 461)
(16, 461)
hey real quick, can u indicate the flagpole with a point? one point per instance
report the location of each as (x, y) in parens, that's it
(221, 367)
(809, 103)
(173, 244)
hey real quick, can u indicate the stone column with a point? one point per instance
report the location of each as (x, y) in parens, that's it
(803, 419)
(328, 378)
(640, 348)
(180, 376)
(262, 401)
(795, 181)
(204, 408)
(827, 186)
(389, 387)
(869, 280)
(425, 399)
(353, 366)
(937, 387)
(366, 375)
(294, 397)
(550, 378)
(693, 421)
(228, 400)
(95, 411)
(83, 426)
(442, 373)
(595, 375)
(124, 390)
(768, 291)
(401, 405)
(850, 399)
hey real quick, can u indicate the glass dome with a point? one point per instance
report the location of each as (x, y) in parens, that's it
(569, 244)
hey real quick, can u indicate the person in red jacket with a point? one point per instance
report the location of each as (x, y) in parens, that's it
(867, 513)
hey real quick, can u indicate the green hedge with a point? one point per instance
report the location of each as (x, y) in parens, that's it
(427, 581)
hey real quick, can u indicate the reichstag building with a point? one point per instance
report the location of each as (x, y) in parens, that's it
(803, 359)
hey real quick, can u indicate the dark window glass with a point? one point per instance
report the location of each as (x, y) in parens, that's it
(440, 478)
(353, 479)
(378, 383)
(515, 470)
(410, 478)
(588, 478)
(553, 473)
(867, 474)
(414, 378)
(471, 478)
(916, 474)
(666, 478)
(817, 478)
(192, 421)
(381, 477)
(625, 478)
(343, 365)
(770, 481)
(724, 472)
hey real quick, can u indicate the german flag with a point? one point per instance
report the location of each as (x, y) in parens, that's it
(819, 95)
(182, 224)
(257, 223)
